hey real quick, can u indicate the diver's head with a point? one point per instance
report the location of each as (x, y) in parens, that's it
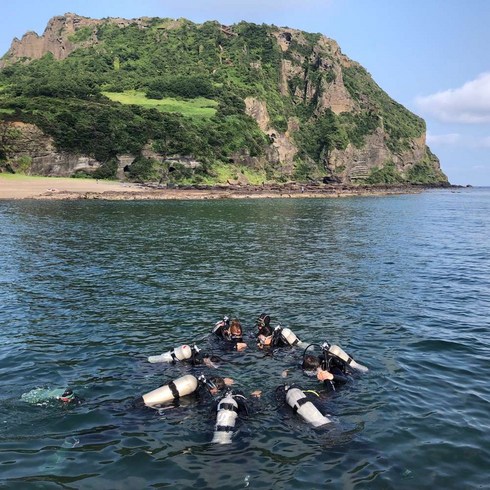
(217, 384)
(263, 320)
(310, 362)
(235, 328)
(67, 396)
(265, 336)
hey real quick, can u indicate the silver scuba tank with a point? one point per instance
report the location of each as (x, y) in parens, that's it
(222, 323)
(341, 354)
(178, 354)
(225, 419)
(288, 336)
(175, 389)
(297, 400)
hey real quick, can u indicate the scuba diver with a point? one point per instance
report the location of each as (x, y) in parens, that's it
(333, 366)
(45, 396)
(231, 332)
(181, 353)
(184, 386)
(274, 337)
(265, 333)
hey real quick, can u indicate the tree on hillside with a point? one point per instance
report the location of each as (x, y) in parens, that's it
(9, 134)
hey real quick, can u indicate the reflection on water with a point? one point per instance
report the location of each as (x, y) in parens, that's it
(88, 290)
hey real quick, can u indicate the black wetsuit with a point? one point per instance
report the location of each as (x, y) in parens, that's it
(230, 340)
(278, 339)
(339, 370)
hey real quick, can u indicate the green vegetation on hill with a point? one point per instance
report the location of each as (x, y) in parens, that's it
(178, 88)
(196, 108)
(397, 121)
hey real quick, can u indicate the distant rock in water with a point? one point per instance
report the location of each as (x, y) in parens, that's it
(268, 103)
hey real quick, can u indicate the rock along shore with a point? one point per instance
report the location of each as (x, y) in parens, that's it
(72, 189)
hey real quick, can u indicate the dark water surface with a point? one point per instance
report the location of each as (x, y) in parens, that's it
(89, 289)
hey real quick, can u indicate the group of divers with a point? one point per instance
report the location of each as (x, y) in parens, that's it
(330, 364)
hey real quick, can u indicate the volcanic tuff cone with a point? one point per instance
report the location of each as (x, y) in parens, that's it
(278, 102)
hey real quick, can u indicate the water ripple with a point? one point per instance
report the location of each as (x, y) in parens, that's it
(90, 289)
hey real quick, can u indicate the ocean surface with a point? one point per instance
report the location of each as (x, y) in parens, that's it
(89, 290)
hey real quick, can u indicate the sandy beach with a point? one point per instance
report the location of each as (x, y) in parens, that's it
(14, 187)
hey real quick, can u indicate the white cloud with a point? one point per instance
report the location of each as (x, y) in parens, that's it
(458, 140)
(443, 139)
(467, 104)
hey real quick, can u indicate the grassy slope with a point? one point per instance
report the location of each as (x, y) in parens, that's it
(199, 108)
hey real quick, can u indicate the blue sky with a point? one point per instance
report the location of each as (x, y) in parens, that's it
(432, 56)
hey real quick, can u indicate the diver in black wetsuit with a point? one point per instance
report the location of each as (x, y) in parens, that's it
(270, 338)
(264, 331)
(332, 371)
(231, 332)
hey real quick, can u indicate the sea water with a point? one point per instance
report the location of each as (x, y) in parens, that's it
(89, 290)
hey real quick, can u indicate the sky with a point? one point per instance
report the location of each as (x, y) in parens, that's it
(432, 56)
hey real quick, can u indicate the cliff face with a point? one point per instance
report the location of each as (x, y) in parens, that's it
(59, 38)
(350, 164)
(312, 73)
(55, 39)
(45, 160)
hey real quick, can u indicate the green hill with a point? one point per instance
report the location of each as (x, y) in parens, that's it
(169, 100)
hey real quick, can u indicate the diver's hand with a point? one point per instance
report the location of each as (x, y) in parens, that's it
(323, 375)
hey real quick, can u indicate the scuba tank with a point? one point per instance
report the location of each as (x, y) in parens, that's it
(222, 324)
(287, 335)
(336, 351)
(172, 391)
(225, 419)
(297, 400)
(178, 354)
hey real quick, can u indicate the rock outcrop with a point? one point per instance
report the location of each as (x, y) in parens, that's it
(59, 38)
(56, 39)
(45, 160)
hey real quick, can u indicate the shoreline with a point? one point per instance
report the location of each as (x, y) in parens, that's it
(56, 188)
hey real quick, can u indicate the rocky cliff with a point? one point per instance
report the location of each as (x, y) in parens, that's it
(59, 38)
(312, 73)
